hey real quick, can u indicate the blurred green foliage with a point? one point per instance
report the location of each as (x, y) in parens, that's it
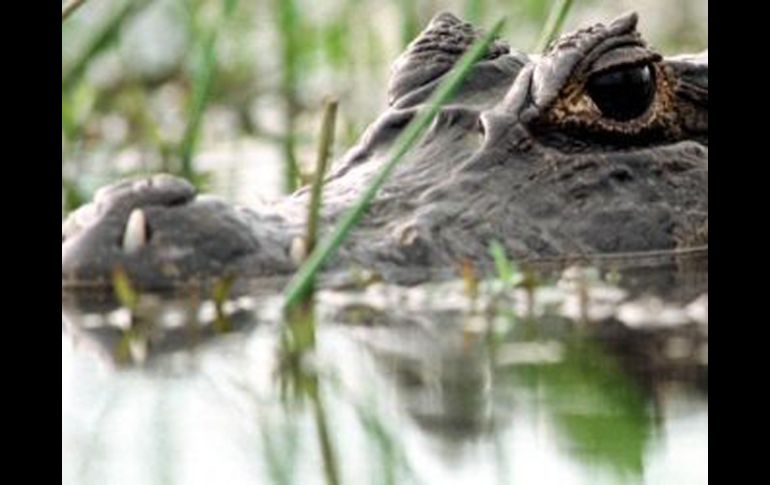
(150, 86)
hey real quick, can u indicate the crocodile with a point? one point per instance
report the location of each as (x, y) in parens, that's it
(599, 145)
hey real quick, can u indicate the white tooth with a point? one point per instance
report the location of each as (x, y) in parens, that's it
(135, 235)
(298, 250)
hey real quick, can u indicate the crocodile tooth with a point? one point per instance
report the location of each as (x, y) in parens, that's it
(135, 235)
(298, 250)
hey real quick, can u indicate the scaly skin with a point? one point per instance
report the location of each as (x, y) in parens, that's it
(521, 155)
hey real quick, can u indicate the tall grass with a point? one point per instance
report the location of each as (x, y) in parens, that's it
(328, 124)
(310, 48)
(410, 22)
(203, 77)
(98, 42)
(70, 7)
(475, 10)
(553, 25)
(298, 287)
(585, 374)
(288, 23)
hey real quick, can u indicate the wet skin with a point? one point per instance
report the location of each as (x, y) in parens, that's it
(598, 146)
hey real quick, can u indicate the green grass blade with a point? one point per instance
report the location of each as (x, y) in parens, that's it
(99, 42)
(503, 266)
(70, 7)
(331, 465)
(124, 289)
(305, 276)
(553, 24)
(410, 21)
(328, 125)
(289, 23)
(474, 10)
(201, 90)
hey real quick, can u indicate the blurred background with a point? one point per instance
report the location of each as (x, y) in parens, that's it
(229, 93)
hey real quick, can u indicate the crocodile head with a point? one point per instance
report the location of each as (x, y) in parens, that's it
(598, 145)
(163, 235)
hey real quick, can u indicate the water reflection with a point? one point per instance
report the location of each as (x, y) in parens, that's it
(393, 385)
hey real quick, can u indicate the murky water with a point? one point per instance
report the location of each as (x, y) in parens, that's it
(594, 377)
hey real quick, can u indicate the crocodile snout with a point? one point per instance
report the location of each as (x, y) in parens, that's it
(158, 231)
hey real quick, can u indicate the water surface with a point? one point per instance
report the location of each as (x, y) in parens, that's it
(579, 382)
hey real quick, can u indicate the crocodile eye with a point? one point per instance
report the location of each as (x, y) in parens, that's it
(622, 94)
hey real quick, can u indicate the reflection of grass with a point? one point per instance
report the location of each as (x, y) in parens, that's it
(280, 444)
(220, 294)
(601, 414)
(593, 403)
(388, 448)
(302, 381)
(599, 410)
(124, 289)
(331, 468)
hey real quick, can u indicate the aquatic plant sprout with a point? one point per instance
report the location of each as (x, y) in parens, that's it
(303, 280)
(202, 82)
(553, 25)
(69, 8)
